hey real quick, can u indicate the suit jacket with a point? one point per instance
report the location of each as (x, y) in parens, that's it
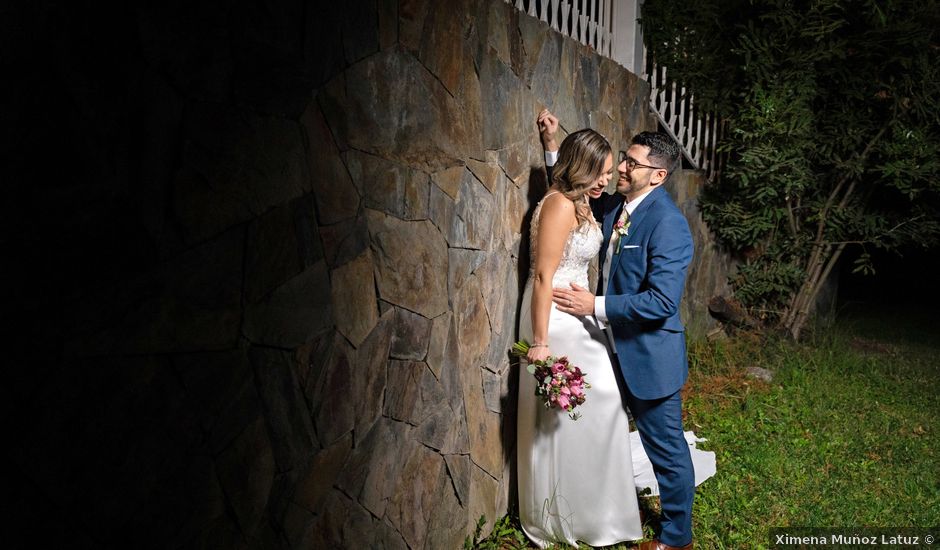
(643, 292)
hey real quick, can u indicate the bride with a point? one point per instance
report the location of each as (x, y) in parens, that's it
(576, 479)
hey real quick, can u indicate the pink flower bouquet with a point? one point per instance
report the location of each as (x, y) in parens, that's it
(558, 383)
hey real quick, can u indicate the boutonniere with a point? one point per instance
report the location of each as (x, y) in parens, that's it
(622, 227)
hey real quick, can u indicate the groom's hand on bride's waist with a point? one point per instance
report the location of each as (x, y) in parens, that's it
(576, 300)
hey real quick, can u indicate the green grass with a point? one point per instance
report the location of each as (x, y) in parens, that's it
(845, 435)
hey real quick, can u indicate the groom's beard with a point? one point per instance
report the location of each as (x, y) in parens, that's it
(632, 187)
(625, 186)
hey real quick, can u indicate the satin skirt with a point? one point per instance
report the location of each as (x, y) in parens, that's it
(576, 479)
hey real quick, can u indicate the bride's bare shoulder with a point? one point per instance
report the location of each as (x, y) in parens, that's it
(557, 209)
(557, 200)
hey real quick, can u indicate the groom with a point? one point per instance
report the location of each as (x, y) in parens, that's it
(646, 251)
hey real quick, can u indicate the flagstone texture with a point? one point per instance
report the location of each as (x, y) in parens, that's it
(296, 257)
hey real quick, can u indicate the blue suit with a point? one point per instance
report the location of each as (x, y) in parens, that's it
(643, 292)
(642, 296)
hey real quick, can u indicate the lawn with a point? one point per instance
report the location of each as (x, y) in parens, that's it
(845, 435)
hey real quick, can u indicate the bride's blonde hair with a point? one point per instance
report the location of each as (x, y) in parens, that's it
(580, 163)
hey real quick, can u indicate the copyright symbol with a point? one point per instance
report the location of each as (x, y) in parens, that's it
(928, 539)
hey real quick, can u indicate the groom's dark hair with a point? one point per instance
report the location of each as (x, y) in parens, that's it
(663, 150)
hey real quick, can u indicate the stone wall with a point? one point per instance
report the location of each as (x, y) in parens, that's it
(277, 269)
(711, 266)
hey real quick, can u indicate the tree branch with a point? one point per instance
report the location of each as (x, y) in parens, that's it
(791, 219)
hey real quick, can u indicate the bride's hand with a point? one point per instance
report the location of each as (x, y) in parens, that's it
(538, 353)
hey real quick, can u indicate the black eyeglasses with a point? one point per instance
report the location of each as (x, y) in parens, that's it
(632, 164)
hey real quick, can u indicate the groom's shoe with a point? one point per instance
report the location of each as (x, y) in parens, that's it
(656, 545)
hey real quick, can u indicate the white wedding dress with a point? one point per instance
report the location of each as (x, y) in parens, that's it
(576, 480)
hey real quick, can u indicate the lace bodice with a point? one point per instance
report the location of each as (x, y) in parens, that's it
(582, 246)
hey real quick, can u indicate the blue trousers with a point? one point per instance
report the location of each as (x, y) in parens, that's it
(659, 422)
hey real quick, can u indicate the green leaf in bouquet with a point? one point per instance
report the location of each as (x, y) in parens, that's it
(531, 368)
